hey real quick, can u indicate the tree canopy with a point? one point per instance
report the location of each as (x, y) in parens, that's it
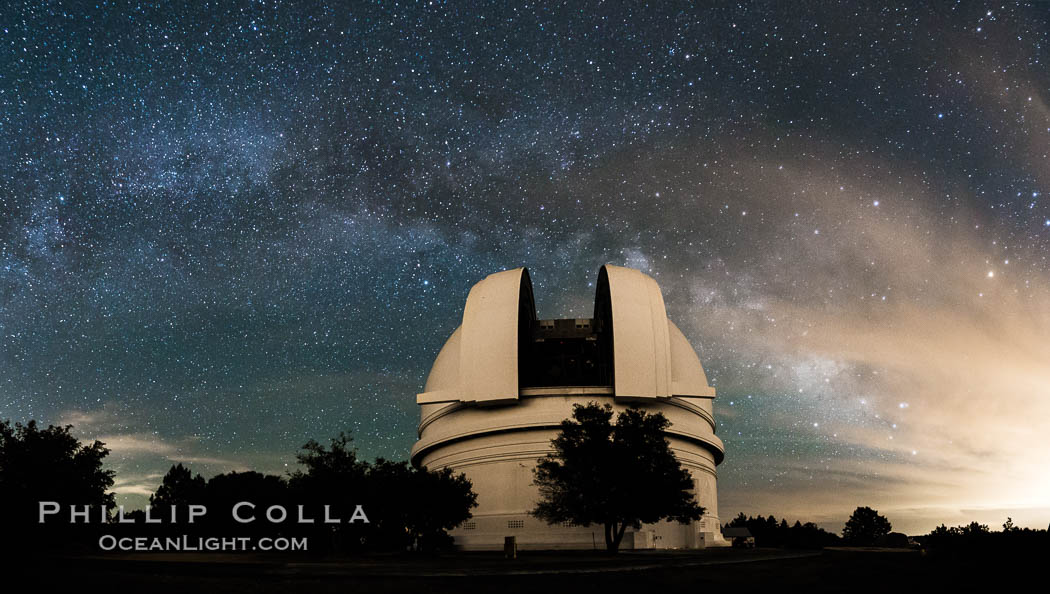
(179, 488)
(408, 508)
(50, 465)
(619, 476)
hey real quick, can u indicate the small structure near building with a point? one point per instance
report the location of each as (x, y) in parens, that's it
(740, 537)
(895, 540)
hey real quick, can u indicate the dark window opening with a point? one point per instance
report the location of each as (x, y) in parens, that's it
(572, 352)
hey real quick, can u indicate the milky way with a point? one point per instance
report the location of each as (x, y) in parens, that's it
(229, 230)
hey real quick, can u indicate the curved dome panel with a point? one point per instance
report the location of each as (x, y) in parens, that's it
(444, 373)
(632, 303)
(482, 360)
(687, 375)
(488, 350)
(499, 310)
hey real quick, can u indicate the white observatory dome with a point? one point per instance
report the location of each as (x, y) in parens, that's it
(504, 381)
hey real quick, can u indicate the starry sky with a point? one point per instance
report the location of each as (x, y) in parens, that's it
(229, 227)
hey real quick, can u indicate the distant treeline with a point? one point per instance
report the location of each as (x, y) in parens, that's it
(866, 528)
(768, 532)
(978, 539)
(380, 506)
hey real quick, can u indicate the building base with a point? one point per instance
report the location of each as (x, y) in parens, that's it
(488, 534)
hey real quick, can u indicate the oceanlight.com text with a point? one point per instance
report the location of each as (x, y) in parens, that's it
(108, 542)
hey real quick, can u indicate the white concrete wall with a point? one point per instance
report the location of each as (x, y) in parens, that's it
(497, 448)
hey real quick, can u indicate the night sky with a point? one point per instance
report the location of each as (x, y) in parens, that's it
(228, 229)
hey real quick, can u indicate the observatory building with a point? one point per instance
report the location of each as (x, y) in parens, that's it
(505, 380)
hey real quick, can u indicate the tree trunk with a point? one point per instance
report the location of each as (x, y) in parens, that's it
(619, 535)
(614, 535)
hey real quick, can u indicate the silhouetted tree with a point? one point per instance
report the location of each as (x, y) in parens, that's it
(224, 491)
(865, 526)
(399, 522)
(336, 465)
(616, 475)
(49, 465)
(974, 529)
(180, 488)
(389, 493)
(336, 478)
